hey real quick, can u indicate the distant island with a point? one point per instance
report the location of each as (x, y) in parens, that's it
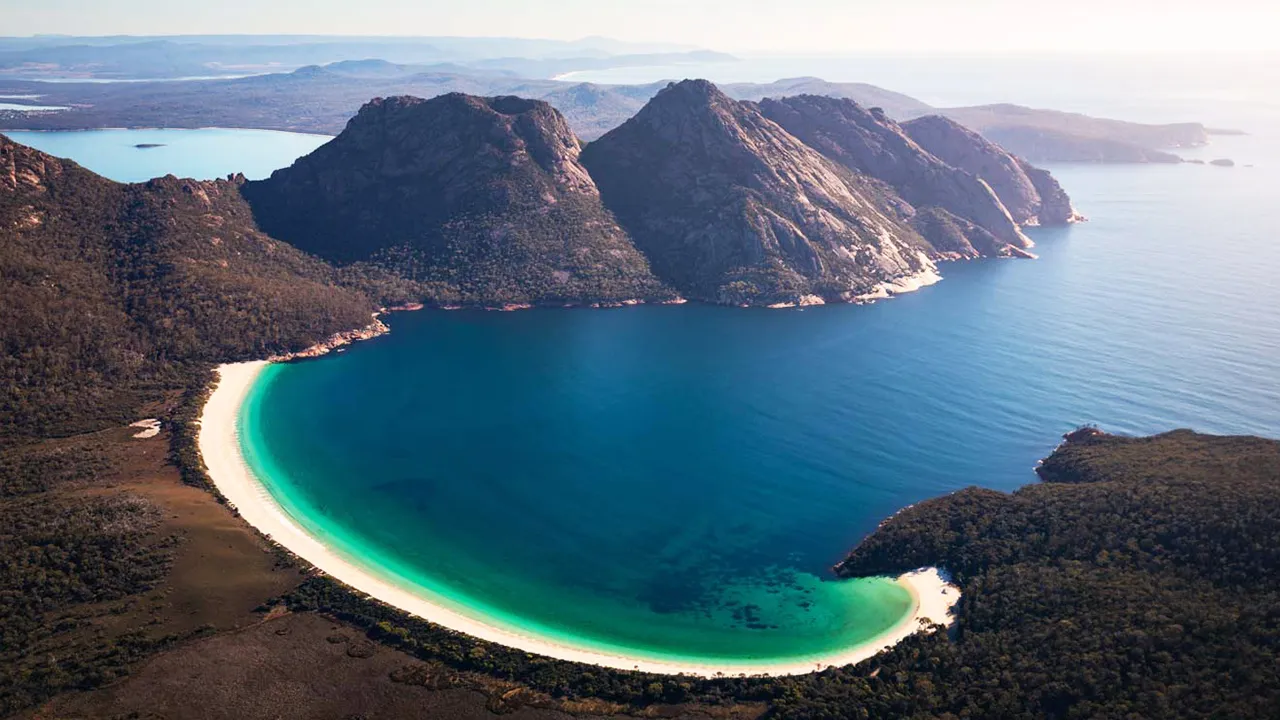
(147, 146)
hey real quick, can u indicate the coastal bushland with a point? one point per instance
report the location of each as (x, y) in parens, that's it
(1139, 579)
(118, 294)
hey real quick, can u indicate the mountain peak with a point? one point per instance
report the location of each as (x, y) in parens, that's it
(482, 198)
(731, 208)
(690, 94)
(694, 86)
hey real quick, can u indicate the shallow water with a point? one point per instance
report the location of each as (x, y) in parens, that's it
(677, 480)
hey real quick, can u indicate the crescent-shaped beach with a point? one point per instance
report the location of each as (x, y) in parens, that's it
(932, 596)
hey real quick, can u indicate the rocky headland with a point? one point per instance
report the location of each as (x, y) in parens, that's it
(731, 208)
(954, 209)
(1031, 195)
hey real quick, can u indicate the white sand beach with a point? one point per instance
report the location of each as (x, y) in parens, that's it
(934, 597)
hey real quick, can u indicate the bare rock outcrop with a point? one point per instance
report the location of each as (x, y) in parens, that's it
(731, 208)
(1031, 195)
(960, 214)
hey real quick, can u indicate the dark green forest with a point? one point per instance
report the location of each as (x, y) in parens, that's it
(116, 294)
(1141, 579)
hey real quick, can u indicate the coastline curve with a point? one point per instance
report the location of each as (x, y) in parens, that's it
(933, 597)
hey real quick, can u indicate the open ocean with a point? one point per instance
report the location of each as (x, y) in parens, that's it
(677, 481)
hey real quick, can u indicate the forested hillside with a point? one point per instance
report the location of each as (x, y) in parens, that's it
(1141, 579)
(112, 291)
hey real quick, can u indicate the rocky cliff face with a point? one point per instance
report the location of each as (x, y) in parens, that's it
(731, 208)
(963, 215)
(1055, 204)
(1038, 201)
(480, 200)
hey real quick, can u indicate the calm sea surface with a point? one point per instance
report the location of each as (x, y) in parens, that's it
(205, 154)
(676, 481)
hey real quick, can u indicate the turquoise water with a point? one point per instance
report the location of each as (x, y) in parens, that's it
(676, 481)
(205, 154)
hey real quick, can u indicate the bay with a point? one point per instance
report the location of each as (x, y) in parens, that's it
(677, 481)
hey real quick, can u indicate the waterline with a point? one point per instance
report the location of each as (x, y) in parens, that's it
(220, 445)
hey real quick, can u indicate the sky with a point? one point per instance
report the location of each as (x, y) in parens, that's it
(781, 26)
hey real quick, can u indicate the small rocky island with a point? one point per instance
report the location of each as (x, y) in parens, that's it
(148, 146)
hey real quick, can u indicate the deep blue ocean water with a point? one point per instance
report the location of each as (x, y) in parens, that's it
(589, 473)
(678, 480)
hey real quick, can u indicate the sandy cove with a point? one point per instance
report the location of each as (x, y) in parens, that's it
(219, 445)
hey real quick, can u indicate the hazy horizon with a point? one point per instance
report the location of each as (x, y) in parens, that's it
(805, 26)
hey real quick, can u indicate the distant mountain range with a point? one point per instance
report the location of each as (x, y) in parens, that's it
(321, 98)
(171, 57)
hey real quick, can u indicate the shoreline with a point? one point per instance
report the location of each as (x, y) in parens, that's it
(219, 445)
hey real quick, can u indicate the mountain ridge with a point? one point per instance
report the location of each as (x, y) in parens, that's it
(733, 209)
(461, 200)
(482, 201)
(867, 141)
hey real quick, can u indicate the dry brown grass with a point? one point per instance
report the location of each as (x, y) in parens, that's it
(245, 664)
